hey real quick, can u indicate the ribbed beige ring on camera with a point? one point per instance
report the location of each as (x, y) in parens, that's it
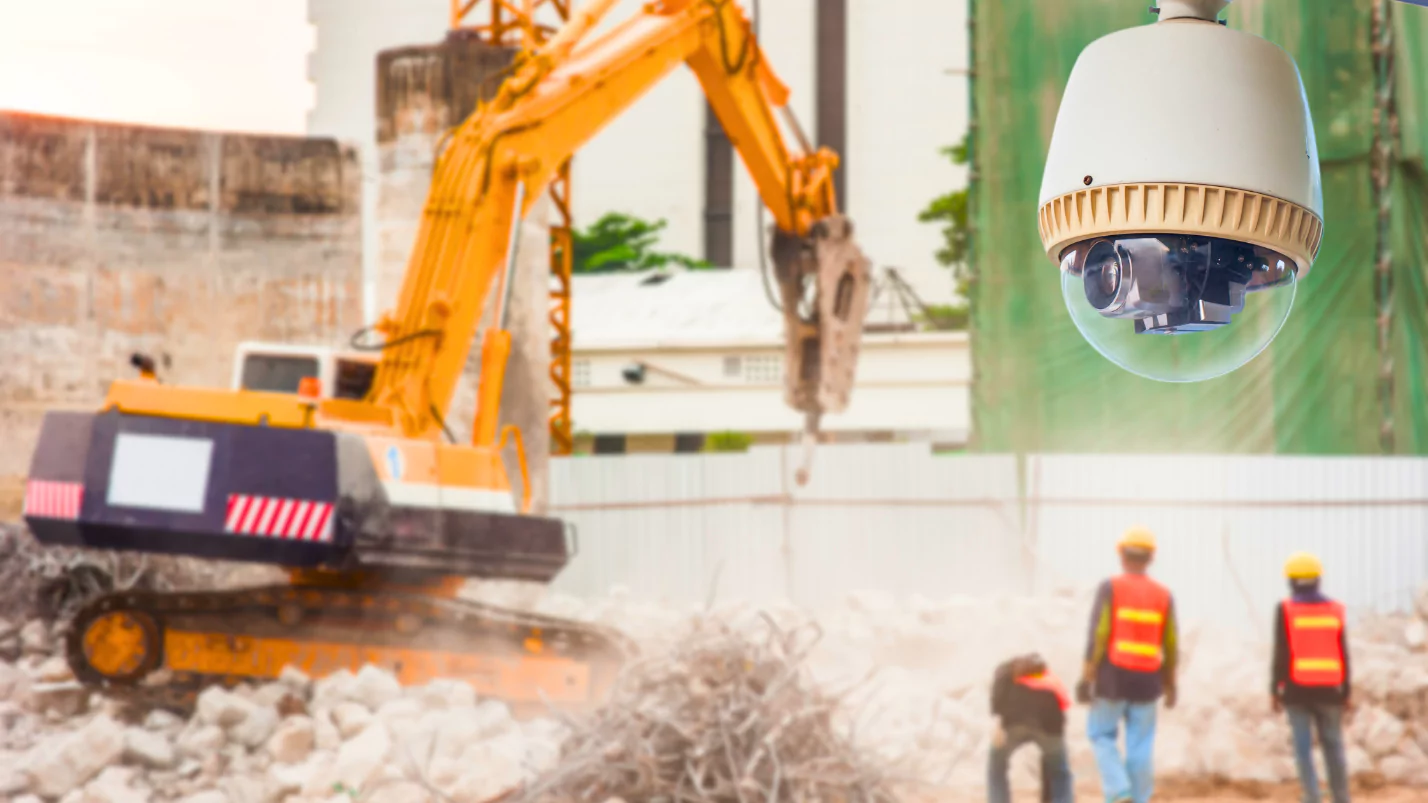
(1196, 209)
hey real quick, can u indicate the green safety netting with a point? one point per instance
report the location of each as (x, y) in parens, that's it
(1039, 387)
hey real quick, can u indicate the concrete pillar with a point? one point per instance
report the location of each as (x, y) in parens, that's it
(422, 91)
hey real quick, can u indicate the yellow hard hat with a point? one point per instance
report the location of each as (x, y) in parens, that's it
(1303, 566)
(1137, 538)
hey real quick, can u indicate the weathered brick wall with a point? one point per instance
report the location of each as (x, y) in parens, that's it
(115, 239)
(422, 91)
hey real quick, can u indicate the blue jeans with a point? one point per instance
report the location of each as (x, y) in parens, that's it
(1056, 781)
(1131, 778)
(1328, 720)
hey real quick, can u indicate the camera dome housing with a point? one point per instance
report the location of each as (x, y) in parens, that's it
(1181, 194)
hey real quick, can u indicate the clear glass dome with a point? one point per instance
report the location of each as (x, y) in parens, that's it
(1176, 308)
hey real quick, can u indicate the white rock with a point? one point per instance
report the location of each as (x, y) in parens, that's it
(148, 748)
(293, 740)
(210, 796)
(360, 758)
(27, 799)
(375, 687)
(296, 681)
(189, 768)
(35, 637)
(1356, 758)
(1415, 635)
(333, 689)
(63, 763)
(1382, 733)
(113, 786)
(14, 683)
(218, 706)
(256, 728)
(1420, 601)
(445, 694)
(249, 789)
(351, 718)
(327, 735)
(199, 741)
(54, 669)
(163, 721)
(289, 778)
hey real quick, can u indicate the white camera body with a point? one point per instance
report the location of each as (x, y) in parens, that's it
(1181, 191)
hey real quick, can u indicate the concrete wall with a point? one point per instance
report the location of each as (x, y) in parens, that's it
(421, 92)
(180, 243)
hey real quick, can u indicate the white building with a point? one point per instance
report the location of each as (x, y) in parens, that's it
(662, 359)
(905, 99)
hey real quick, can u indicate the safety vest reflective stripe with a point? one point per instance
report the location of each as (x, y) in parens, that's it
(1137, 615)
(1138, 649)
(1317, 665)
(1324, 622)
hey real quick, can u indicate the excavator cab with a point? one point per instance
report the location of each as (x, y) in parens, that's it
(281, 368)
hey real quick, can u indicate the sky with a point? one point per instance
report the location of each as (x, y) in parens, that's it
(231, 65)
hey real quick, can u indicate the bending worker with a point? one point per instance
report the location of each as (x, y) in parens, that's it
(1030, 704)
(1130, 664)
(1310, 675)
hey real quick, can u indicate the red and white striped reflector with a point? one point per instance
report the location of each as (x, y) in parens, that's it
(53, 500)
(279, 517)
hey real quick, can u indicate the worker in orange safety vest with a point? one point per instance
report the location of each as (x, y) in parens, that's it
(1309, 678)
(1030, 704)
(1130, 664)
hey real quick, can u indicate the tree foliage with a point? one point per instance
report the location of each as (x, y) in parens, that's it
(620, 242)
(949, 210)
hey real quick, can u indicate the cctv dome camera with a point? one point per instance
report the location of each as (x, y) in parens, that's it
(1181, 194)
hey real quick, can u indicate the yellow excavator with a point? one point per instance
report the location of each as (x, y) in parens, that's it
(339, 466)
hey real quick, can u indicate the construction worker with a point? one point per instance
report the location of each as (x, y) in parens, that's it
(1310, 675)
(1130, 665)
(1030, 704)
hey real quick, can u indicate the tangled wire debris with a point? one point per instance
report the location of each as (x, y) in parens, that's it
(726, 717)
(53, 582)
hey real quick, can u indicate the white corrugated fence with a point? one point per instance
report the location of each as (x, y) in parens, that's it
(897, 518)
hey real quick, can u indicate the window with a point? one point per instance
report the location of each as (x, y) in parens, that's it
(763, 369)
(277, 374)
(580, 374)
(687, 442)
(354, 379)
(609, 444)
(733, 366)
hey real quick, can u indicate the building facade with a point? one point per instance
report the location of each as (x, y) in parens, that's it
(686, 361)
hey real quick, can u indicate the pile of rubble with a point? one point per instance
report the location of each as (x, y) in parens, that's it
(742, 695)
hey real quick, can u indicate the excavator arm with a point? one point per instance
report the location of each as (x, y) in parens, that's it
(503, 156)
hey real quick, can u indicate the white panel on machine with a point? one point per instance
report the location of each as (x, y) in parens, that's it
(160, 472)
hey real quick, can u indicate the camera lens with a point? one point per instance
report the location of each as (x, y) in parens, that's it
(1103, 276)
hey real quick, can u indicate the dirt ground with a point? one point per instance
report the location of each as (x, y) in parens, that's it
(1209, 791)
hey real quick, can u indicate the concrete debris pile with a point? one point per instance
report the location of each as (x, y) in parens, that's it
(909, 677)
(728, 714)
(346, 737)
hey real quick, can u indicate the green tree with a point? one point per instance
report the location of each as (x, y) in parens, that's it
(949, 211)
(620, 242)
(727, 442)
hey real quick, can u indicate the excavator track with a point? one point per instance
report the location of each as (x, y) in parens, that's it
(163, 649)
